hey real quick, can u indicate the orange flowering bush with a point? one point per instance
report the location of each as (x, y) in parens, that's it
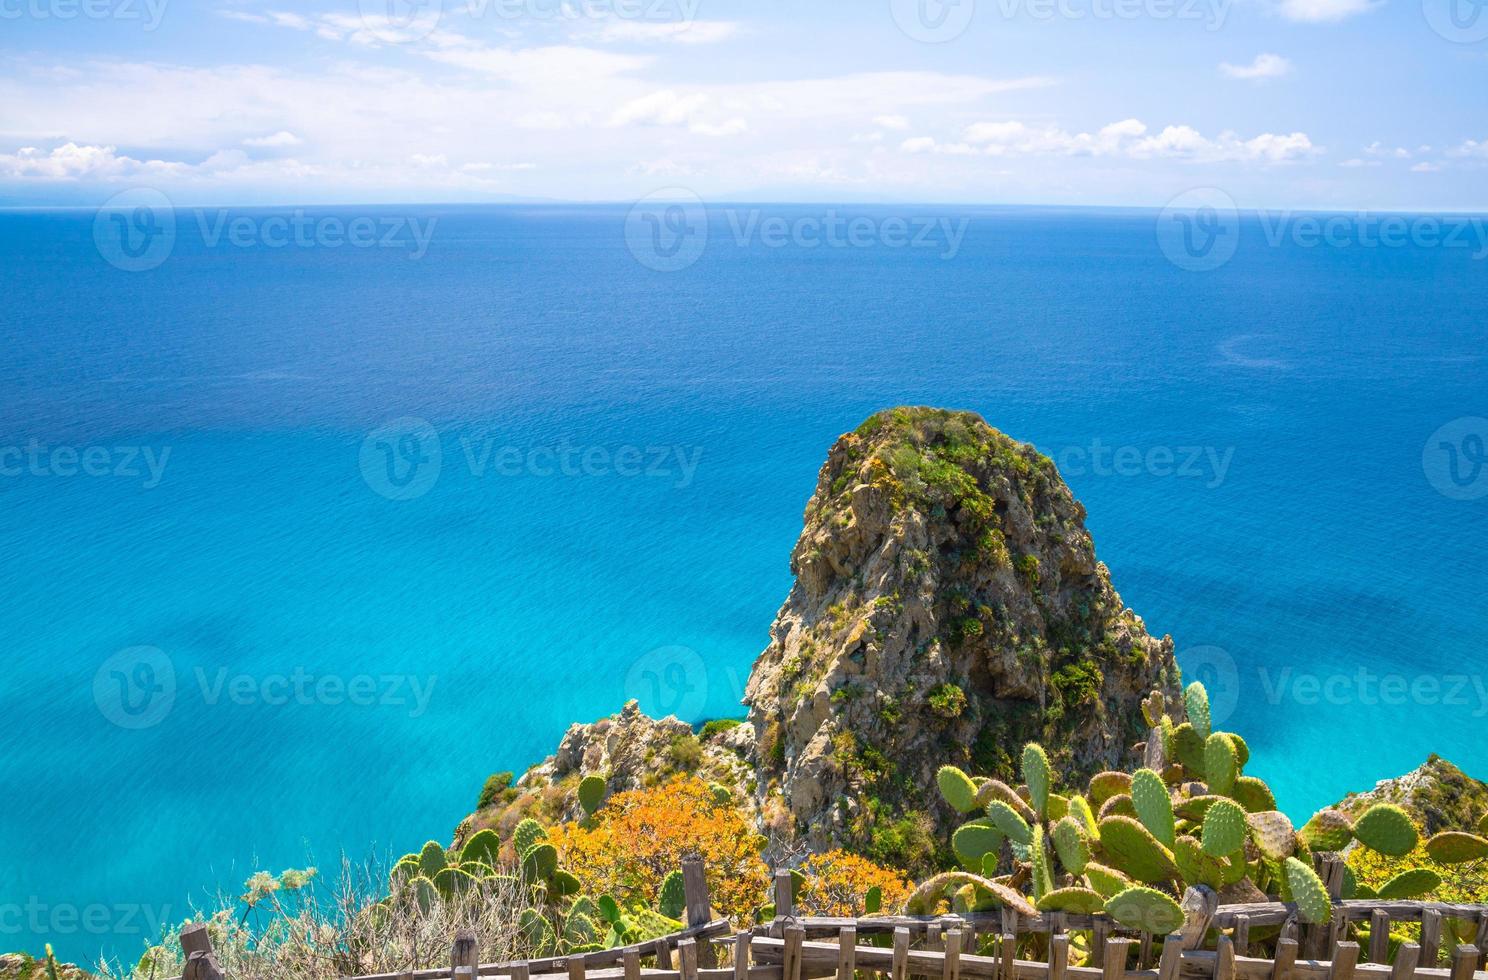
(837, 883)
(639, 837)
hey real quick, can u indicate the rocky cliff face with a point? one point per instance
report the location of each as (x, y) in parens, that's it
(630, 751)
(1437, 793)
(948, 607)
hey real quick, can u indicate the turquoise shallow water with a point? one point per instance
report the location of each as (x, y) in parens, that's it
(344, 669)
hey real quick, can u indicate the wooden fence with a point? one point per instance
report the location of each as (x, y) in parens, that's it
(983, 946)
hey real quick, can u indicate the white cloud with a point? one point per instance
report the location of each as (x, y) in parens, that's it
(1264, 67)
(1127, 138)
(672, 32)
(1325, 11)
(1378, 149)
(1425, 167)
(72, 161)
(1353, 163)
(1472, 148)
(891, 122)
(278, 140)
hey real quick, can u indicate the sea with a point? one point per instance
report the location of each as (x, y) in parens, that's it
(313, 518)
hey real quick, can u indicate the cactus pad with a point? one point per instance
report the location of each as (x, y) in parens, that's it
(1132, 848)
(484, 846)
(1308, 892)
(454, 881)
(1106, 880)
(1070, 845)
(996, 789)
(957, 788)
(1194, 807)
(1079, 810)
(1455, 847)
(1415, 883)
(1081, 901)
(1272, 833)
(539, 863)
(1039, 776)
(1196, 703)
(1224, 829)
(929, 894)
(528, 834)
(1153, 805)
(1153, 709)
(1145, 909)
(1221, 764)
(972, 841)
(1104, 785)
(591, 793)
(1043, 877)
(1328, 830)
(672, 898)
(1253, 794)
(1119, 805)
(1387, 829)
(1007, 820)
(431, 859)
(1188, 748)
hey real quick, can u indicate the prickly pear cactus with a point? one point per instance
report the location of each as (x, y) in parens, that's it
(1328, 830)
(1386, 828)
(975, 840)
(957, 789)
(1221, 763)
(1132, 848)
(1070, 844)
(1039, 776)
(1043, 878)
(483, 846)
(1196, 704)
(1308, 892)
(1007, 820)
(1272, 833)
(1456, 847)
(1224, 829)
(672, 899)
(591, 793)
(1081, 901)
(1410, 884)
(528, 834)
(1154, 807)
(1145, 909)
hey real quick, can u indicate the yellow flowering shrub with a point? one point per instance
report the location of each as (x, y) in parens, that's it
(837, 883)
(639, 837)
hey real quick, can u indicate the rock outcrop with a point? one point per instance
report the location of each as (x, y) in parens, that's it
(631, 751)
(1437, 794)
(948, 608)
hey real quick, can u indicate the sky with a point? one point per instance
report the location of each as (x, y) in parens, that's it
(1332, 104)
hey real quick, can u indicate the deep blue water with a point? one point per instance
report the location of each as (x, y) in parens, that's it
(136, 781)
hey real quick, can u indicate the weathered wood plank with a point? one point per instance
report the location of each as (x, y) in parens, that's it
(1379, 936)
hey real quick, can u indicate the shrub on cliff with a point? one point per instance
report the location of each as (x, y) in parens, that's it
(639, 837)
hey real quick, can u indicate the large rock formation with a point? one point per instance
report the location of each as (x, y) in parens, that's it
(948, 608)
(1436, 793)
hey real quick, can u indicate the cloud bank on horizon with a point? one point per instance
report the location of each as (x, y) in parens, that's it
(1329, 103)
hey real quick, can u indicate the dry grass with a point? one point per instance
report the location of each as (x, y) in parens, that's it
(297, 926)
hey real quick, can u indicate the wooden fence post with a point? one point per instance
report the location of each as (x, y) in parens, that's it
(785, 903)
(463, 955)
(699, 908)
(196, 947)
